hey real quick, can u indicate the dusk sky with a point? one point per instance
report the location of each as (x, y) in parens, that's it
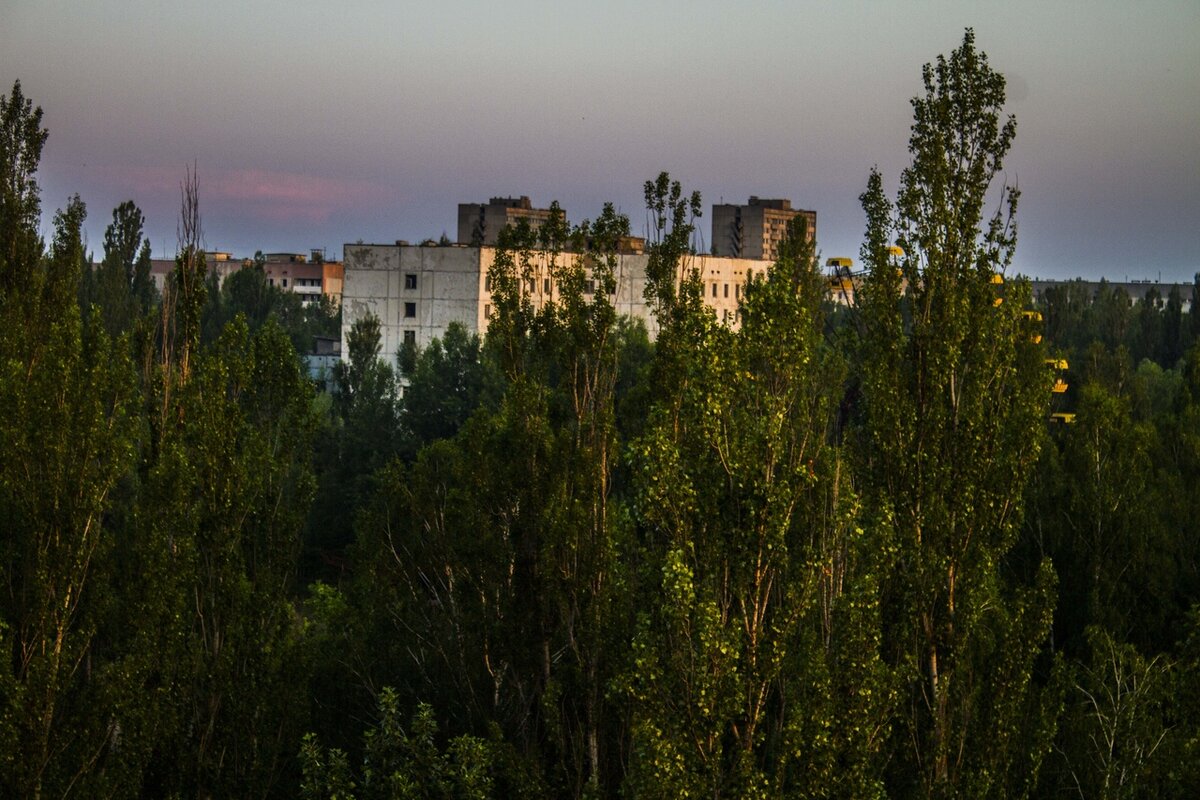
(316, 124)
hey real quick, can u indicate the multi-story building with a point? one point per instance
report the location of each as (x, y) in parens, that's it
(756, 229)
(308, 278)
(479, 224)
(293, 272)
(416, 292)
(218, 261)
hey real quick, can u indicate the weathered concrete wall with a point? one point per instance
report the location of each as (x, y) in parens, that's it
(413, 290)
(440, 285)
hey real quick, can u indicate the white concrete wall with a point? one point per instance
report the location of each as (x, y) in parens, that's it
(447, 289)
(451, 286)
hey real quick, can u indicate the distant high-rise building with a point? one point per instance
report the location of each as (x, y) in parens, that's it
(480, 224)
(755, 229)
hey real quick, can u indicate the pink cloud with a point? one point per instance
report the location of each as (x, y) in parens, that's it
(261, 194)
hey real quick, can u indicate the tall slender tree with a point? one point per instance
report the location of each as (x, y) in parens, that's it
(21, 139)
(66, 436)
(116, 286)
(742, 655)
(955, 399)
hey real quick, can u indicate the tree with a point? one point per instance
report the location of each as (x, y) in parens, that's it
(1112, 315)
(1174, 342)
(1194, 312)
(183, 306)
(759, 625)
(1146, 336)
(402, 763)
(119, 287)
(955, 398)
(123, 238)
(1117, 731)
(1106, 521)
(363, 438)
(495, 551)
(446, 383)
(67, 438)
(21, 139)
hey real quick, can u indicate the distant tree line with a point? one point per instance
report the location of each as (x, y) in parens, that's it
(826, 553)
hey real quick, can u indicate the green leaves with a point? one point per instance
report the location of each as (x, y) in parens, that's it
(747, 523)
(955, 398)
(402, 763)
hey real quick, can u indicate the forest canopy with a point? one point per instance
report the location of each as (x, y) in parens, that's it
(941, 542)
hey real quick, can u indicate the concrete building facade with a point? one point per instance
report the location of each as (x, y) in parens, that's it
(292, 272)
(479, 224)
(220, 262)
(416, 292)
(310, 279)
(756, 229)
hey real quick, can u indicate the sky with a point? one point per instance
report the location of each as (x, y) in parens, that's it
(315, 124)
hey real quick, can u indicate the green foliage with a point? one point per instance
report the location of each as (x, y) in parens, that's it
(753, 559)
(121, 286)
(795, 555)
(21, 140)
(248, 293)
(399, 763)
(246, 438)
(1150, 328)
(955, 398)
(446, 383)
(1117, 741)
(496, 549)
(66, 437)
(363, 436)
(151, 534)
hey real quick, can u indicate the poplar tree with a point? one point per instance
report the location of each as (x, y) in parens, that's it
(66, 439)
(955, 397)
(754, 670)
(21, 140)
(120, 283)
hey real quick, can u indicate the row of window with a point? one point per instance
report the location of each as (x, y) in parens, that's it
(283, 282)
(589, 286)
